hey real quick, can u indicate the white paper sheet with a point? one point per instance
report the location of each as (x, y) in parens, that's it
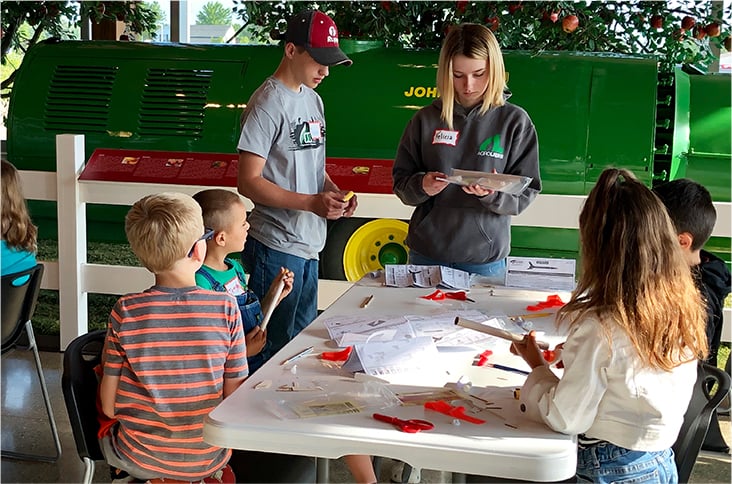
(540, 273)
(406, 275)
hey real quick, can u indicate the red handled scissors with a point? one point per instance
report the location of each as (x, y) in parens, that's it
(411, 426)
(439, 295)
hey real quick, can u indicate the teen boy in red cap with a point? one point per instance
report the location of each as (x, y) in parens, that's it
(282, 170)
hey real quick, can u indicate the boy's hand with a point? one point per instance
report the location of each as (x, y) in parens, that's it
(329, 205)
(352, 200)
(255, 339)
(288, 277)
(529, 350)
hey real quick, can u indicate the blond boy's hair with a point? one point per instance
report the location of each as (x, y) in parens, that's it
(474, 41)
(216, 205)
(162, 228)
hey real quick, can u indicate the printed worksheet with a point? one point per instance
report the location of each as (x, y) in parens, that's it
(442, 328)
(397, 357)
(541, 273)
(409, 275)
(338, 326)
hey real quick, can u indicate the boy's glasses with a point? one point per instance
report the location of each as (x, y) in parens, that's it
(207, 235)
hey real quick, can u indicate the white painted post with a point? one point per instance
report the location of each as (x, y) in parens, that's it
(70, 158)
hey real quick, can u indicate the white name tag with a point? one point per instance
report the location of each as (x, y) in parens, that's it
(445, 137)
(315, 130)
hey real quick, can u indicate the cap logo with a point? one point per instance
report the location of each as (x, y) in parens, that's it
(317, 32)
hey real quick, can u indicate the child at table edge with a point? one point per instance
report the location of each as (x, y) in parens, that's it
(636, 329)
(692, 212)
(224, 212)
(171, 354)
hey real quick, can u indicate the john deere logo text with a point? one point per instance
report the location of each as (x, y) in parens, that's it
(421, 91)
(491, 147)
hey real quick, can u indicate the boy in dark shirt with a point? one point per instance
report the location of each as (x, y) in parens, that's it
(690, 207)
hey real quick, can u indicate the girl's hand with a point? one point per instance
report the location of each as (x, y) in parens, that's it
(255, 339)
(430, 183)
(529, 350)
(478, 190)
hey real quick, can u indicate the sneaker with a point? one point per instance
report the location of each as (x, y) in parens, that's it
(404, 473)
(119, 476)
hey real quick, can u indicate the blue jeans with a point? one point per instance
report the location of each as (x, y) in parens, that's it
(495, 269)
(606, 463)
(299, 308)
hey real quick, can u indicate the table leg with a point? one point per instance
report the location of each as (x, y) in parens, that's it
(321, 470)
(458, 478)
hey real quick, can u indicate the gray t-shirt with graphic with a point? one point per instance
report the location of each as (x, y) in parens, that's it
(287, 129)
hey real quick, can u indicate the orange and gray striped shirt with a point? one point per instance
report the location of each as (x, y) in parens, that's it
(172, 349)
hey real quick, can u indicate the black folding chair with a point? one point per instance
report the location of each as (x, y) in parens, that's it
(19, 296)
(79, 384)
(696, 420)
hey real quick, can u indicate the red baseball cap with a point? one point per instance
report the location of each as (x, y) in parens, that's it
(318, 34)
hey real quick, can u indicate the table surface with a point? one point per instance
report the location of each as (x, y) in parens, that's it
(507, 445)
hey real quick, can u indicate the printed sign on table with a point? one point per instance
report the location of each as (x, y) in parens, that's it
(540, 273)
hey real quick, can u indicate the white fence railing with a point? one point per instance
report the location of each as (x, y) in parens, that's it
(74, 277)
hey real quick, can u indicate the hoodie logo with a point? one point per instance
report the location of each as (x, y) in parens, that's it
(491, 146)
(445, 137)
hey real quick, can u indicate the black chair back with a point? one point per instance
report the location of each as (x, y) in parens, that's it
(79, 384)
(696, 419)
(18, 303)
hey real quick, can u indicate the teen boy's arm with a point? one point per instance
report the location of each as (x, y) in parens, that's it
(327, 204)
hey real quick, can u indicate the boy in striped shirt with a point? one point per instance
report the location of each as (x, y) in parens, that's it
(172, 352)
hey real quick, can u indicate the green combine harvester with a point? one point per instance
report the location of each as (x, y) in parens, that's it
(591, 111)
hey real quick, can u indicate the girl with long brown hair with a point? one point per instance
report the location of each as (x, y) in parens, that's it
(18, 248)
(636, 330)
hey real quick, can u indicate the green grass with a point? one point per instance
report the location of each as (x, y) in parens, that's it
(46, 319)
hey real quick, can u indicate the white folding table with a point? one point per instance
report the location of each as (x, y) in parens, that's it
(507, 445)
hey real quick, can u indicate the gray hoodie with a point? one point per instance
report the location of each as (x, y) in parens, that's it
(453, 226)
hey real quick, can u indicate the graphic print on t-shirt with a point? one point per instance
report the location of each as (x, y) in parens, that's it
(307, 134)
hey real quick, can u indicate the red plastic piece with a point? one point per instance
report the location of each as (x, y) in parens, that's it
(457, 411)
(411, 426)
(549, 355)
(552, 301)
(482, 359)
(439, 295)
(337, 355)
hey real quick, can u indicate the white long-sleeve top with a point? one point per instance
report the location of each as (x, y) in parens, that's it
(606, 393)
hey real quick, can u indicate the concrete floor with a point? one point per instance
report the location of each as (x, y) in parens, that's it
(25, 427)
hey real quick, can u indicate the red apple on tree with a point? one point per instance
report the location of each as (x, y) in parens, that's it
(514, 7)
(687, 22)
(713, 29)
(570, 23)
(554, 16)
(657, 21)
(492, 23)
(699, 32)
